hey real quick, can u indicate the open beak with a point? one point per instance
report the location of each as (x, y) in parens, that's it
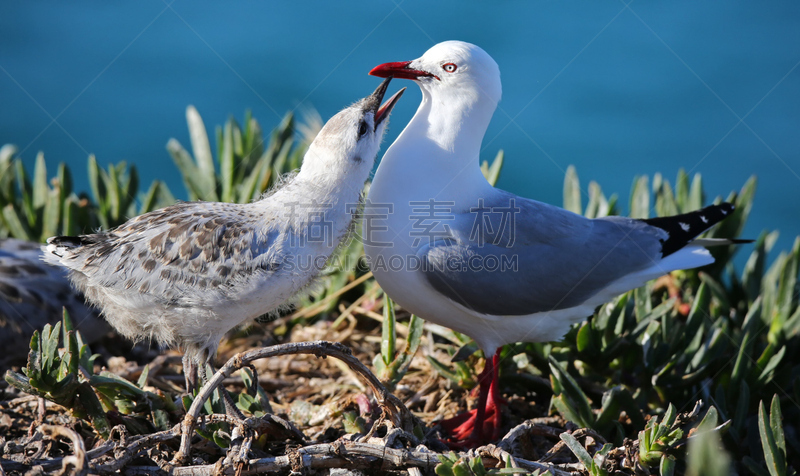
(399, 70)
(383, 111)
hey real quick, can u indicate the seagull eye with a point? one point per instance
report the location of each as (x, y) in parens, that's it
(362, 129)
(449, 67)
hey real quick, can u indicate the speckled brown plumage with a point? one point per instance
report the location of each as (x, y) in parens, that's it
(174, 252)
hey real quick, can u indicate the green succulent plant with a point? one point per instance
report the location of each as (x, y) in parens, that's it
(60, 369)
(452, 464)
(391, 365)
(246, 165)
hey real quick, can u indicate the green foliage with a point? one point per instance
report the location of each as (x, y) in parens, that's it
(115, 191)
(598, 205)
(391, 366)
(461, 371)
(596, 466)
(773, 442)
(253, 400)
(572, 403)
(244, 168)
(60, 369)
(658, 438)
(706, 456)
(35, 210)
(568, 398)
(354, 423)
(492, 172)
(53, 373)
(453, 465)
(770, 427)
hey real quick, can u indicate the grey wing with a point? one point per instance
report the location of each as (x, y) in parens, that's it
(543, 259)
(180, 255)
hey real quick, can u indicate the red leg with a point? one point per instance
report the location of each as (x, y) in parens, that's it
(481, 424)
(494, 399)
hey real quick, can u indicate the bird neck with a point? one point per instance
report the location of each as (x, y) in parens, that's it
(444, 140)
(455, 120)
(314, 207)
(334, 187)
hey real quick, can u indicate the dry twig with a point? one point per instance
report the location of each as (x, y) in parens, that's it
(340, 454)
(398, 414)
(78, 459)
(501, 456)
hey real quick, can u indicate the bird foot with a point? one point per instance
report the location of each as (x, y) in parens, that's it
(464, 432)
(481, 425)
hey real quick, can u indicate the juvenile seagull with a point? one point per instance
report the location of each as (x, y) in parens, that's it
(497, 267)
(188, 273)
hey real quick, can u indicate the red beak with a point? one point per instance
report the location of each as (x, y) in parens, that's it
(399, 70)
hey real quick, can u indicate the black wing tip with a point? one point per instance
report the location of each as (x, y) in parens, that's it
(681, 229)
(725, 207)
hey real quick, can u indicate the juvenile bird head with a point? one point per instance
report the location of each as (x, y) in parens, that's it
(351, 139)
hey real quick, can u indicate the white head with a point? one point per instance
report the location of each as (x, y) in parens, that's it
(348, 143)
(451, 69)
(460, 86)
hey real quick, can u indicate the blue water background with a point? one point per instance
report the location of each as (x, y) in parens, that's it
(616, 90)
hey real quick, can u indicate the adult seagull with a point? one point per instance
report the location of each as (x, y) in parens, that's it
(500, 268)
